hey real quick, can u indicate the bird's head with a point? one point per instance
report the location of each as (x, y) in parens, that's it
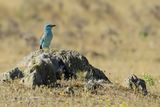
(48, 27)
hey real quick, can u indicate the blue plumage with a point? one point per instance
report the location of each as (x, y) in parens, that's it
(45, 40)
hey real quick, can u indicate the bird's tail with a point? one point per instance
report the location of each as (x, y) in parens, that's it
(40, 46)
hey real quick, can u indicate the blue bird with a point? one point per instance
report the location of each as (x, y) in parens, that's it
(45, 40)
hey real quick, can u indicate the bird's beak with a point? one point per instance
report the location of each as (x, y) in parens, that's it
(53, 25)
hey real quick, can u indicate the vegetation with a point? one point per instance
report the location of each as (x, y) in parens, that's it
(149, 79)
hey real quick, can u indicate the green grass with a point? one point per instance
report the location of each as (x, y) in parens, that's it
(149, 79)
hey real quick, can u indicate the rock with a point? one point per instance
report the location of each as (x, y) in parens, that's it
(92, 85)
(96, 74)
(137, 84)
(67, 62)
(69, 90)
(43, 72)
(11, 75)
(44, 67)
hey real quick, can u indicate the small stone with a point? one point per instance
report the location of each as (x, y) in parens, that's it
(69, 90)
(137, 84)
(92, 85)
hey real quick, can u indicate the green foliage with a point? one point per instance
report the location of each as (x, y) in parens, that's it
(149, 79)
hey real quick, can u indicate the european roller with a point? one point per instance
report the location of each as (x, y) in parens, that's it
(45, 40)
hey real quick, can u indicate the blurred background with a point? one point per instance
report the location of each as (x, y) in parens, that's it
(117, 36)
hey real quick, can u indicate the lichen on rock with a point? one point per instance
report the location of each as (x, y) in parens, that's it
(44, 67)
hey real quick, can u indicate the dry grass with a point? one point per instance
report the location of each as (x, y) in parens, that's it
(115, 96)
(120, 37)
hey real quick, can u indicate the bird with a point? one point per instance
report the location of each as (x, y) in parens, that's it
(47, 36)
